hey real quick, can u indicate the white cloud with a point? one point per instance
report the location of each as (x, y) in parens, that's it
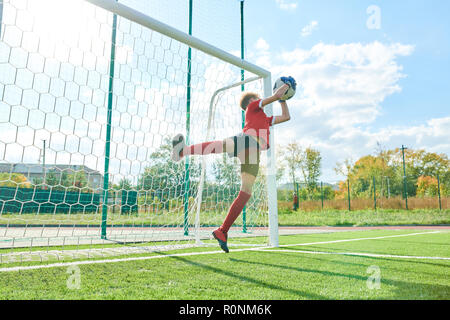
(262, 44)
(286, 5)
(308, 30)
(348, 81)
(261, 55)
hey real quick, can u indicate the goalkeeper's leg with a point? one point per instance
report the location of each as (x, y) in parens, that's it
(249, 158)
(221, 234)
(180, 149)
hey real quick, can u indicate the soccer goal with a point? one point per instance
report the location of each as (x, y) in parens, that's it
(91, 94)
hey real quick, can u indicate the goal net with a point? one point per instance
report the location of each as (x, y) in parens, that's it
(91, 94)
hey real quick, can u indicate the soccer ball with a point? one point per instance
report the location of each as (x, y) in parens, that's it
(289, 93)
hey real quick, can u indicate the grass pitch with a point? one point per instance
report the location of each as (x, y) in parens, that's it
(391, 264)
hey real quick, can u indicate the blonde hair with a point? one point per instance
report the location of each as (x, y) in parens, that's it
(245, 99)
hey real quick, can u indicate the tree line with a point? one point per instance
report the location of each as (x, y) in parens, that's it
(386, 168)
(62, 181)
(300, 166)
(381, 173)
(166, 180)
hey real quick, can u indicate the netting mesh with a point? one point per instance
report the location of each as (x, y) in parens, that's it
(56, 59)
(214, 21)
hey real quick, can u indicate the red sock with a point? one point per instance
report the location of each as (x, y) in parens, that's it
(235, 210)
(203, 148)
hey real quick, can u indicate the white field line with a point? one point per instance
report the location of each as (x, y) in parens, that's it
(358, 239)
(358, 254)
(78, 263)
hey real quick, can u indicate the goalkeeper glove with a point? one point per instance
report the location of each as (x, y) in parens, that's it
(290, 81)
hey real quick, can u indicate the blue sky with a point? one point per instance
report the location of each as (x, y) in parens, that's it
(424, 24)
(412, 108)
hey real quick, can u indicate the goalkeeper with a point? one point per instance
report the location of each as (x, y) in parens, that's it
(246, 146)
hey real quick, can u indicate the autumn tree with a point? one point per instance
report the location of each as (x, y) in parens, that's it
(427, 186)
(343, 168)
(386, 166)
(13, 180)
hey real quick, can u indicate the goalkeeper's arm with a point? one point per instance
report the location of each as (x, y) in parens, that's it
(276, 97)
(285, 116)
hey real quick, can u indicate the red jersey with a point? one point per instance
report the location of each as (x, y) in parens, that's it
(257, 123)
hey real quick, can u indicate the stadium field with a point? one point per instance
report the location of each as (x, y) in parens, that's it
(410, 263)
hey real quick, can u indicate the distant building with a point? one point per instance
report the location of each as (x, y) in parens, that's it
(34, 172)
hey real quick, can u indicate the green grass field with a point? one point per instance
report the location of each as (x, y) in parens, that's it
(308, 266)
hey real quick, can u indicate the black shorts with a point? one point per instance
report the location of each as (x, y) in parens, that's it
(250, 159)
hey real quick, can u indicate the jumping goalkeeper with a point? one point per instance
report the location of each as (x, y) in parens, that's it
(246, 146)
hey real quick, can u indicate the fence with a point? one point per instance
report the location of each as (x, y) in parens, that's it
(38, 201)
(409, 193)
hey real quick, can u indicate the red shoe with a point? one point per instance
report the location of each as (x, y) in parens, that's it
(222, 238)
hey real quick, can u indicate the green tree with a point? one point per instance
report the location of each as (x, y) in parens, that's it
(227, 176)
(310, 166)
(53, 179)
(418, 163)
(76, 181)
(164, 178)
(291, 156)
(124, 184)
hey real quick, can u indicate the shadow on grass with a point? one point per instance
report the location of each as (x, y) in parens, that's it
(259, 283)
(404, 289)
(325, 249)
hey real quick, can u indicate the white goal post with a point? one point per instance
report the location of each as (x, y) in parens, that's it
(91, 93)
(193, 42)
